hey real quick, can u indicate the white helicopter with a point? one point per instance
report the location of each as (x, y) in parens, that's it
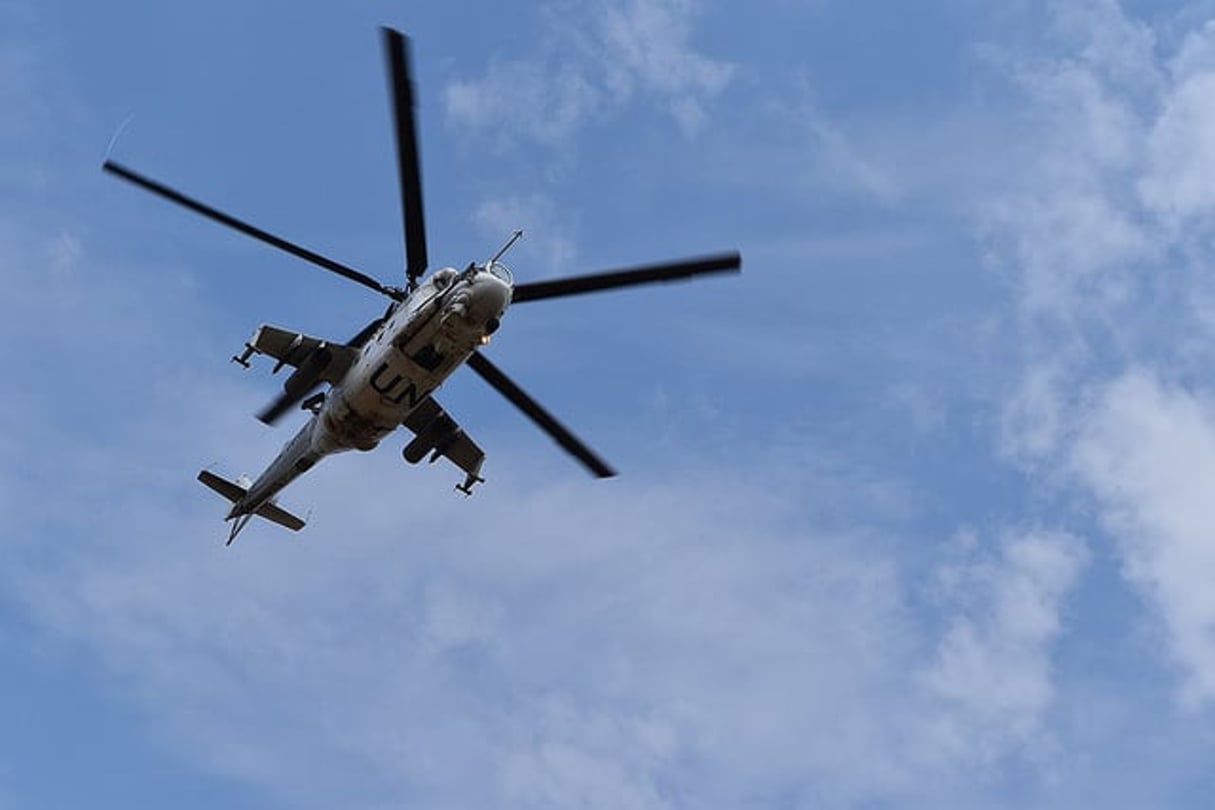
(385, 376)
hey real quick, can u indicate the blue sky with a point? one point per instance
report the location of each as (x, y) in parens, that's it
(914, 513)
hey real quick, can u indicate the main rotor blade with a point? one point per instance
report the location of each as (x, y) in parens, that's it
(257, 233)
(365, 333)
(507, 388)
(281, 404)
(396, 52)
(645, 274)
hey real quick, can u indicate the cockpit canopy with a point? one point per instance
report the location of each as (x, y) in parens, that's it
(444, 276)
(501, 272)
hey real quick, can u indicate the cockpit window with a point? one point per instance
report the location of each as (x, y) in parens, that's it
(500, 271)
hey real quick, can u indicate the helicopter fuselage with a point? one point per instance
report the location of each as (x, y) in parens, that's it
(422, 341)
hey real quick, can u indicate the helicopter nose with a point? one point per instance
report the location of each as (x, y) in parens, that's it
(475, 311)
(490, 298)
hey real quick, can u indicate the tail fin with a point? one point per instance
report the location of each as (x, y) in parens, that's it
(233, 492)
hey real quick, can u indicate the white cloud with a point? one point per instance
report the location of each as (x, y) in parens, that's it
(1108, 244)
(614, 633)
(1148, 454)
(1099, 36)
(598, 56)
(994, 661)
(1067, 214)
(1183, 154)
(576, 760)
(548, 236)
(1035, 419)
(525, 98)
(1182, 158)
(646, 46)
(1071, 248)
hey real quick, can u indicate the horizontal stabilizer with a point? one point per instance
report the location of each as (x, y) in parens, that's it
(234, 492)
(279, 515)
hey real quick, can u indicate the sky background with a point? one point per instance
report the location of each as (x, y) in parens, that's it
(916, 512)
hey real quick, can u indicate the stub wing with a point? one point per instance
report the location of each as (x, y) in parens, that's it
(296, 349)
(437, 434)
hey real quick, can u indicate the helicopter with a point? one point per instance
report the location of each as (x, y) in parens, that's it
(360, 391)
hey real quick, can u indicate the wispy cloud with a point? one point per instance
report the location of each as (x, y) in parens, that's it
(994, 661)
(1147, 452)
(656, 631)
(549, 235)
(598, 57)
(1110, 244)
(1181, 159)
